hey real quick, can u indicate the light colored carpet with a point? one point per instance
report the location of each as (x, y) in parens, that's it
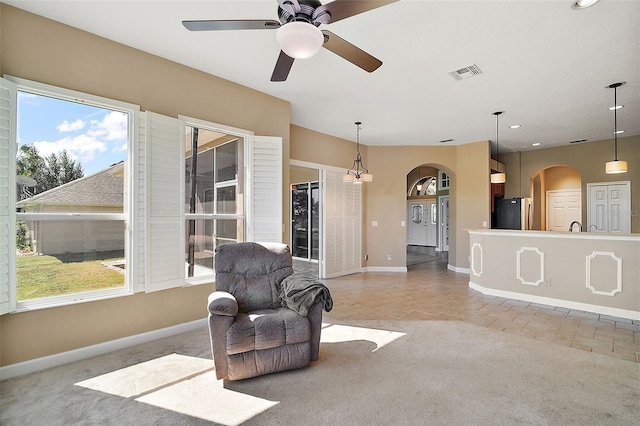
(374, 372)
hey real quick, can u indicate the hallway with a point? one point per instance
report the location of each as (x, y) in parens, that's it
(429, 291)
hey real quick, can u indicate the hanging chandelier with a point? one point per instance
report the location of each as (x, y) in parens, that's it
(358, 173)
(615, 166)
(498, 177)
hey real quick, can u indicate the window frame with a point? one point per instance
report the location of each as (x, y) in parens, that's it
(129, 198)
(443, 180)
(245, 138)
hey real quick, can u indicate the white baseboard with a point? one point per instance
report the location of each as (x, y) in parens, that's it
(385, 269)
(458, 269)
(604, 310)
(39, 364)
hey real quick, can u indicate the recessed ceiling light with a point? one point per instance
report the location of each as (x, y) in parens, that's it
(617, 132)
(536, 144)
(616, 107)
(515, 126)
(583, 4)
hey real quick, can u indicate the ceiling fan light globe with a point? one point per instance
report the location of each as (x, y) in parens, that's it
(299, 40)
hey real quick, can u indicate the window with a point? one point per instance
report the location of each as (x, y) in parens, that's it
(443, 180)
(71, 168)
(214, 211)
(131, 218)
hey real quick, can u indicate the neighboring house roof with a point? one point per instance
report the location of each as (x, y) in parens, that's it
(104, 188)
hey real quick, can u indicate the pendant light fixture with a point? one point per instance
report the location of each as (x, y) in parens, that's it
(498, 177)
(615, 166)
(358, 173)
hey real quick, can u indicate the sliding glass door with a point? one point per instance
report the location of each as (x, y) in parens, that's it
(305, 220)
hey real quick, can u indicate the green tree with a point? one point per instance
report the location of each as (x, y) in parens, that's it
(28, 161)
(58, 170)
(49, 172)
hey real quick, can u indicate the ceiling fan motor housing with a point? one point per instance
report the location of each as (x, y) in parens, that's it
(305, 14)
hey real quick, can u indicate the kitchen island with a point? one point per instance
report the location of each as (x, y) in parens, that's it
(585, 271)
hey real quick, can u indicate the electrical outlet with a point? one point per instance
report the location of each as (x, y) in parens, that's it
(388, 257)
(366, 257)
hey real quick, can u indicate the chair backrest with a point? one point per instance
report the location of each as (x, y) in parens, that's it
(252, 272)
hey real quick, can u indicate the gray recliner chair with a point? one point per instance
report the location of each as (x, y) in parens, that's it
(251, 332)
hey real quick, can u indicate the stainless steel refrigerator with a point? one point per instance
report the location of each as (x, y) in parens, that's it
(512, 213)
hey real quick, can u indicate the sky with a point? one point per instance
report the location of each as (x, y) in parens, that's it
(94, 137)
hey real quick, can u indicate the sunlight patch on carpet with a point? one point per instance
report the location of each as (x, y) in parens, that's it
(206, 398)
(148, 376)
(344, 333)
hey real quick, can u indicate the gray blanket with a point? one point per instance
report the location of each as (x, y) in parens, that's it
(300, 293)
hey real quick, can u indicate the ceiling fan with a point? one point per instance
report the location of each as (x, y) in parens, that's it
(298, 33)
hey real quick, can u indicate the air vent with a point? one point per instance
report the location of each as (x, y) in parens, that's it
(446, 140)
(466, 72)
(578, 141)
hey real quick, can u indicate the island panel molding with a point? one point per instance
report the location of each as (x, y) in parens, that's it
(519, 263)
(476, 259)
(618, 273)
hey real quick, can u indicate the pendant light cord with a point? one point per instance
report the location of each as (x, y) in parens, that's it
(497, 138)
(615, 123)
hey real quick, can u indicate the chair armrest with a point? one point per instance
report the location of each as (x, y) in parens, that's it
(222, 303)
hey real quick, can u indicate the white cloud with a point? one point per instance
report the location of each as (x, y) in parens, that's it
(93, 141)
(113, 127)
(82, 147)
(65, 126)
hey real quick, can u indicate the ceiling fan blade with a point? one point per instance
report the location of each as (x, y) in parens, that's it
(341, 9)
(232, 24)
(351, 53)
(283, 66)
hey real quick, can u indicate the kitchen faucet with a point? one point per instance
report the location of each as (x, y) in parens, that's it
(573, 223)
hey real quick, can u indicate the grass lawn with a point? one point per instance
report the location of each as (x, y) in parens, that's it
(45, 276)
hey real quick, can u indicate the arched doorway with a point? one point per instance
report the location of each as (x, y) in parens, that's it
(427, 230)
(556, 192)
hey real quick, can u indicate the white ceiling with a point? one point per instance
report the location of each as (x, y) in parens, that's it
(543, 63)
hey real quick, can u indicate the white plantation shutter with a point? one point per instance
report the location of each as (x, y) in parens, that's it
(352, 228)
(7, 196)
(163, 188)
(265, 211)
(342, 226)
(139, 211)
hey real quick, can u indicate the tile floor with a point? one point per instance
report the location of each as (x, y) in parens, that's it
(429, 291)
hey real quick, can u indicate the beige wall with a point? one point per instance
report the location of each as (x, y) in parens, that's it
(302, 174)
(559, 178)
(45, 51)
(385, 198)
(587, 159)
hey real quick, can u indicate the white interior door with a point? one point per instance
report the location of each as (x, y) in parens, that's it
(609, 207)
(417, 218)
(563, 207)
